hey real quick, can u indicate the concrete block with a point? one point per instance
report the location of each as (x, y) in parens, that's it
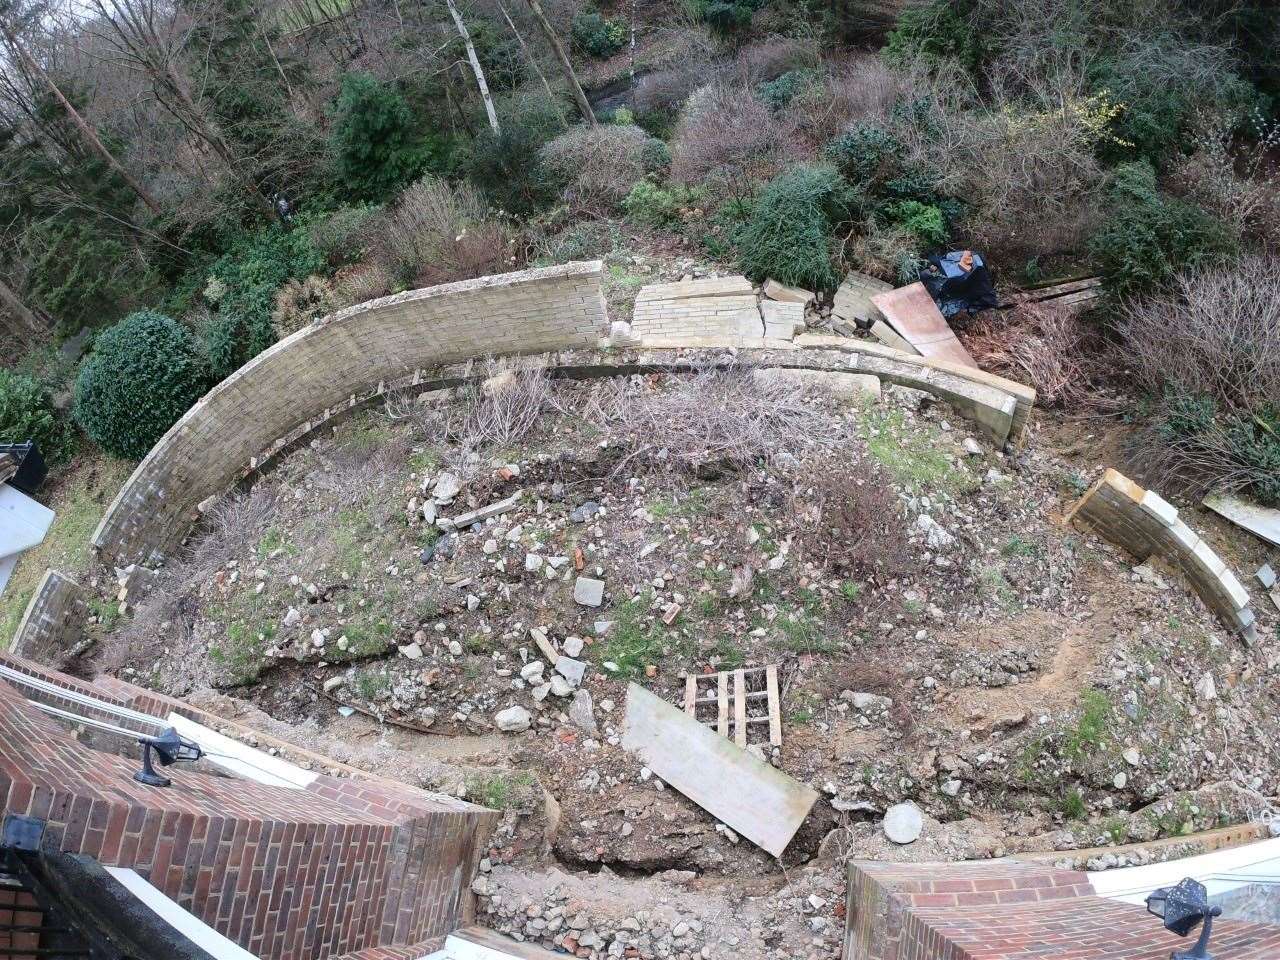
(779, 291)
(1156, 506)
(1234, 589)
(1208, 559)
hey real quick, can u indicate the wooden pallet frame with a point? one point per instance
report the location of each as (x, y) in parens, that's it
(715, 688)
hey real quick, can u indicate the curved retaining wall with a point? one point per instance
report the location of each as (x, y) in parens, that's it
(1146, 525)
(318, 367)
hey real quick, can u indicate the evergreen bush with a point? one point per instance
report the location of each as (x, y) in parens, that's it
(144, 373)
(789, 234)
(597, 36)
(26, 413)
(374, 140)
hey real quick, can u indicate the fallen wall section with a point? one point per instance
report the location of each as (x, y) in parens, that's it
(1144, 524)
(54, 620)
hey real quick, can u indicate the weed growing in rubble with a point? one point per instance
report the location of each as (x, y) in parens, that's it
(632, 643)
(1072, 805)
(1086, 737)
(502, 791)
(915, 459)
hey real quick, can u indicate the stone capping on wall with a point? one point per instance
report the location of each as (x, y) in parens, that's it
(1144, 524)
(54, 620)
(532, 311)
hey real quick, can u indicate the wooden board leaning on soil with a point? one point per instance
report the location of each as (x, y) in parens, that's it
(758, 801)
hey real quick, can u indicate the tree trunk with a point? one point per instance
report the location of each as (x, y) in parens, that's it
(37, 323)
(86, 131)
(528, 55)
(475, 67)
(579, 97)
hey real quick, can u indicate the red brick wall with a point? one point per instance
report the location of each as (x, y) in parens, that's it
(340, 867)
(1009, 910)
(18, 908)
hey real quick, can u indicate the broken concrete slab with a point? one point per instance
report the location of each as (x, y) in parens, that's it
(588, 592)
(782, 320)
(916, 318)
(853, 301)
(889, 337)
(464, 520)
(707, 287)
(754, 799)
(1266, 576)
(1262, 522)
(781, 292)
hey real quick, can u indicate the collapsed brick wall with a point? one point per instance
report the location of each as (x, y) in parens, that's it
(1145, 525)
(1012, 910)
(533, 311)
(54, 619)
(338, 867)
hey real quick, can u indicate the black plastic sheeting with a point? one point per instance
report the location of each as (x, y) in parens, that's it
(956, 290)
(31, 466)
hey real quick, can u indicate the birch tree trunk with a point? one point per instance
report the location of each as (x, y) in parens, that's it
(584, 106)
(528, 55)
(475, 67)
(86, 132)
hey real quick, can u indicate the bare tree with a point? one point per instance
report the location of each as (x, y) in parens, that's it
(154, 39)
(584, 106)
(87, 132)
(481, 83)
(528, 55)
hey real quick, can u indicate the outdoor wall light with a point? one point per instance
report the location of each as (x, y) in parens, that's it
(1181, 908)
(169, 748)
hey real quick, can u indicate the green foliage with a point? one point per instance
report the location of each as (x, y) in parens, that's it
(934, 32)
(657, 206)
(922, 220)
(1072, 805)
(251, 271)
(82, 273)
(1162, 99)
(1148, 237)
(1083, 740)
(508, 168)
(340, 235)
(789, 234)
(865, 154)
(655, 157)
(144, 373)
(26, 413)
(375, 146)
(778, 93)
(1199, 425)
(597, 36)
(729, 18)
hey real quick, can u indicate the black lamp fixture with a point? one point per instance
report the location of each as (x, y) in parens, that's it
(169, 748)
(1182, 908)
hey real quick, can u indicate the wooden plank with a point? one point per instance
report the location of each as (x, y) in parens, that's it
(691, 694)
(756, 800)
(722, 699)
(916, 318)
(740, 708)
(775, 717)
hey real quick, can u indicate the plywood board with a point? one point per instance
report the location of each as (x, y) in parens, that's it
(1263, 522)
(916, 318)
(758, 801)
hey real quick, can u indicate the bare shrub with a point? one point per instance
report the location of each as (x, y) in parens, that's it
(888, 251)
(1037, 343)
(1208, 353)
(771, 57)
(1216, 334)
(728, 138)
(439, 231)
(1027, 166)
(360, 284)
(1238, 183)
(233, 526)
(704, 423)
(862, 90)
(690, 64)
(850, 520)
(300, 303)
(596, 166)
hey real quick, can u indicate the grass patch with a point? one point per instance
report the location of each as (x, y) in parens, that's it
(1020, 546)
(914, 459)
(632, 644)
(1071, 805)
(1086, 737)
(79, 499)
(241, 654)
(371, 684)
(502, 791)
